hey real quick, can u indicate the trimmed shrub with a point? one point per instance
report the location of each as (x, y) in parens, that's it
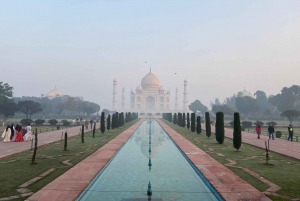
(193, 123)
(188, 123)
(82, 134)
(271, 122)
(66, 142)
(65, 122)
(247, 124)
(52, 122)
(237, 134)
(39, 122)
(220, 127)
(207, 124)
(198, 124)
(278, 134)
(25, 122)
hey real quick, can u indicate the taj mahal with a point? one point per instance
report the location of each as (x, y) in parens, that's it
(150, 96)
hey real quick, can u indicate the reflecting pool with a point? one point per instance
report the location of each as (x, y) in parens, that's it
(148, 155)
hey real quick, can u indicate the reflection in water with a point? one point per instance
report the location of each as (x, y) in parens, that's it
(149, 143)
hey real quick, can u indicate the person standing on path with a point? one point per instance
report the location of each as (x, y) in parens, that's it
(6, 134)
(12, 131)
(86, 124)
(291, 132)
(271, 131)
(19, 135)
(258, 131)
(91, 122)
(28, 133)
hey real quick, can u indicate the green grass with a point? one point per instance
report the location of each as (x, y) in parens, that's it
(284, 172)
(16, 173)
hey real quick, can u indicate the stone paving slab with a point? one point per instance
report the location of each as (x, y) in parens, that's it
(71, 184)
(280, 146)
(230, 186)
(11, 148)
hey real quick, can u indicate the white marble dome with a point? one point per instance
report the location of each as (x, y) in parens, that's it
(139, 88)
(150, 80)
(54, 94)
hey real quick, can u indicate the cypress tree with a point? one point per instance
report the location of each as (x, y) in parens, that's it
(117, 120)
(193, 122)
(175, 118)
(183, 120)
(237, 134)
(66, 141)
(82, 134)
(220, 127)
(102, 122)
(207, 124)
(113, 122)
(35, 147)
(94, 129)
(179, 119)
(198, 124)
(188, 125)
(108, 123)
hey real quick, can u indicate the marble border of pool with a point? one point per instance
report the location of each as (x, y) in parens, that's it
(230, 186)
(72, 183)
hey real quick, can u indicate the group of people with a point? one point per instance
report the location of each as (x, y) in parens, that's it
(271, 131)
(86, 123)
(15, 134)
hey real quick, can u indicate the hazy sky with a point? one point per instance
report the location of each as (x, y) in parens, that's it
(220, 47)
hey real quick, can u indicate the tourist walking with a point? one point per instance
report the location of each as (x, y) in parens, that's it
(19, 135)
(6, 134)
(12, 130)
(291, 132)
(28, 133)
(258, 130)
(271, 131)
(91, 122)
(86, 124)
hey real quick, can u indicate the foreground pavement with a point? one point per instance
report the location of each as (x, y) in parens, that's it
(71, 184)
(230, 186)
(11, 148)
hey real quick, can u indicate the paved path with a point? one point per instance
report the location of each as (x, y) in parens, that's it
(71, 184)
(230, 186)
(280, 146)
(11, 148)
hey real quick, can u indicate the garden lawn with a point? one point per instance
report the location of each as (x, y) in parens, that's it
(16, 170)
(284, 172)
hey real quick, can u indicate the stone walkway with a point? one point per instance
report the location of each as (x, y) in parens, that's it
(230, 186)
(11, 148)
(280, 146)
(71, 184)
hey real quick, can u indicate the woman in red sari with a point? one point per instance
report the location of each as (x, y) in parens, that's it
(19, 137)
(258, 131)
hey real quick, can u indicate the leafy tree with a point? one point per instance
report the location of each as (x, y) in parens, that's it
(222, 108)
(46, 108)
(29, 107)
(108, 122)
(65, 122)
(188, 123)
(268, 112)
(198, 106)
(25, 122)
(220, 127)
(237, 134)
(106, 111)
(246, 105)
(102, 128)
(6, 92)
(290, 115)
(198, 125)
(288, 99)
(8, 110)
(193, 116)
(207, 124)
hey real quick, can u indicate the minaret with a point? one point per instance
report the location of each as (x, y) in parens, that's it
(123, 98)
(176, 99)
(185, 97)
(115, 96)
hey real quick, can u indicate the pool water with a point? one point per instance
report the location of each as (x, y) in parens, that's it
(127, 175)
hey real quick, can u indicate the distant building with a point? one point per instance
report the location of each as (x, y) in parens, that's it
(245, 93)
(55, 93)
